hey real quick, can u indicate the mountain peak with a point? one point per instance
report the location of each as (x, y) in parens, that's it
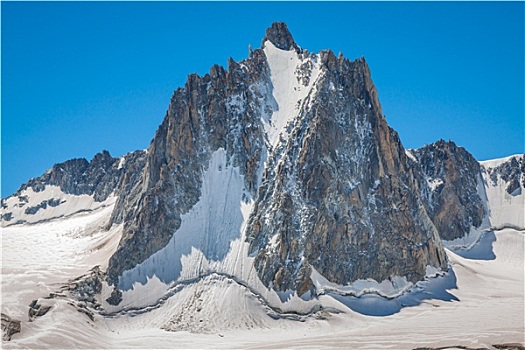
(279, 35)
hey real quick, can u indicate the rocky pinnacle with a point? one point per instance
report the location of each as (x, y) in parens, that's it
(279, 35)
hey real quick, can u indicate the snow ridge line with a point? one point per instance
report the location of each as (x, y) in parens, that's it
(506, 226)
(274, 312)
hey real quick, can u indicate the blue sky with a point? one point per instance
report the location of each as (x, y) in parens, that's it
(80, 77)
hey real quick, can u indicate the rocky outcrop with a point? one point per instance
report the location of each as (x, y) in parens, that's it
(53, 202)
(85, 288)
(36, 309)
(7, 216)
(280, 36)
(9, 327)
(450, 179)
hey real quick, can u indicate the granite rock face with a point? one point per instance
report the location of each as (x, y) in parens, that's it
(450, 179)
(342, 198)
(128, 177)
(335, 192)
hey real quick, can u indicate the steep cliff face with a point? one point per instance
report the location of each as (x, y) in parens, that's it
(328, 180)
(338, 196)
(464, 197)
(451, 184)
(221, 110)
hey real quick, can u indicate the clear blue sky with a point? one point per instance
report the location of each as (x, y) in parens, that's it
(80, 77)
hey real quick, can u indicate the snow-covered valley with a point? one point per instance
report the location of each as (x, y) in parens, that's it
(489, 309)
(218, 310)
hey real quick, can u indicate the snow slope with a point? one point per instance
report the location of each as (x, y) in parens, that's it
(37, 259)
(205, 233)
(489, 310)
(506, 210)
(216, 292)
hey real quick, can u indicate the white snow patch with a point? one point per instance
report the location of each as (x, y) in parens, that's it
(494, 163)
(432, 271)
(287, 90)
(410, 155)
(121, 163)
(434, 183)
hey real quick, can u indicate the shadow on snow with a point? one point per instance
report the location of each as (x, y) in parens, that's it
(375, 305)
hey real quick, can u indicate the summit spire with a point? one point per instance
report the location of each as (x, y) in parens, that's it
(279, 35)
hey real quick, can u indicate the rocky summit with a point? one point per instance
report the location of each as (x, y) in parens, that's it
(281, 174)
(331, 186)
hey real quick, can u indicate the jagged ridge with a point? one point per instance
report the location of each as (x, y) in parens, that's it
(322, 218)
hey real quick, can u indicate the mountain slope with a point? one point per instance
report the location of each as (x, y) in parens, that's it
(273, 188)
(328, 179)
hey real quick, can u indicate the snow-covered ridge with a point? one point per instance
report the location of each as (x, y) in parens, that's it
(493, 163)
(52, 203)
(388, 289)
(391, 288)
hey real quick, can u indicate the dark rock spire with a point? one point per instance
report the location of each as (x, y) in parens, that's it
(279, 35)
